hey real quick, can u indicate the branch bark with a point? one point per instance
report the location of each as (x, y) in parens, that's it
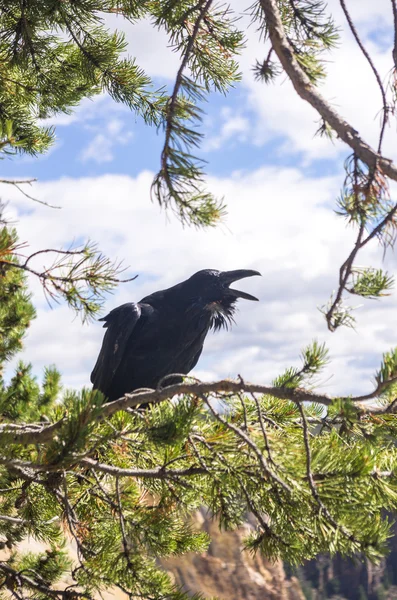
(25, 434)
(158, 473)
(307, 91)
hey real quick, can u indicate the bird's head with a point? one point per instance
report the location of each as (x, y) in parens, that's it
(213, 288)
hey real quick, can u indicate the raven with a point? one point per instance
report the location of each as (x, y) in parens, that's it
(164, 333)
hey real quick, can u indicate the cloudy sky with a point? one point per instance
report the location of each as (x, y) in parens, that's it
(279, 181)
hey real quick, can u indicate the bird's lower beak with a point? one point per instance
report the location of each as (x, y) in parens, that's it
(229, 277)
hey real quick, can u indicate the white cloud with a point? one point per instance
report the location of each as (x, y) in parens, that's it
(100, 148)
(270, 111)
(278, 223)
(234, 129)
(151, 49)
(149, 45)
(88, 110)
(349, 87)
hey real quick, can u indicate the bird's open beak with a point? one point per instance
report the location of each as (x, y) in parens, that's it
(228, 277)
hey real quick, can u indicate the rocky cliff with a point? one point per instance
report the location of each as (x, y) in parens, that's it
(229, 572)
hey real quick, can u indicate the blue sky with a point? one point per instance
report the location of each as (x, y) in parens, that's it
(279, 182)
(138, 146)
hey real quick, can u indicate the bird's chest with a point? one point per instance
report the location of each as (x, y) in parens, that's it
(171, 343)
(181, 329)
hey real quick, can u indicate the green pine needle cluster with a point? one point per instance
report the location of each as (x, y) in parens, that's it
(310, 30)
(80, 276)
(370, 283)
(364, 202)
(16, 309)
(207, 40)
(314, 359)
(54, 54)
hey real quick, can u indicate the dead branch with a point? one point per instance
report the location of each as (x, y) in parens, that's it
(308, 92)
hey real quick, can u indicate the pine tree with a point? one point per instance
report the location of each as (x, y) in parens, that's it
(317, 472)
(22, 398)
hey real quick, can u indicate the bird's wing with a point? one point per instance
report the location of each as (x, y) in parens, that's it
(195, 359)
(120, 323)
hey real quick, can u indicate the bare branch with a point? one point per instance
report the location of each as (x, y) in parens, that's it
(122, 525)
(222, 386)
(19, 579)
(374, 70)
(344, 274)
(308, 92)
(17, 521)
(263, 428)
(269, 474)
(17, 182)
(13, 520)
(28, 434)
(158, 473)
(310, 479)
(394, 6)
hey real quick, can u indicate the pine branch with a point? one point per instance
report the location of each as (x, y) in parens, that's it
(78, 276)
(43, 434)
(268, 473)
(18, 580)
(207, 42)
(159, 473)
(394, 53)
(365, 203)
(313, 488)
(308, 92)
(170, 173)
(235, 459)
(364, 199)
(385, 106)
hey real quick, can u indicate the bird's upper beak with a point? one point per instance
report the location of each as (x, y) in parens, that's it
(228, 277)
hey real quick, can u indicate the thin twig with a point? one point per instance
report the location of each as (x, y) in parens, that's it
(308, 92)
(20, 433)
(344, 274)
(310, 480)
(24, 521)
(52, 250)
(374, 70)
(263, 428)
(16, 183)
(394, 53)
(271, 476)
(122, 525)
(203, 6)
(19, 579)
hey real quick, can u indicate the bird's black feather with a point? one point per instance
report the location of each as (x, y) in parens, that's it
(164, 333)
(120, 323)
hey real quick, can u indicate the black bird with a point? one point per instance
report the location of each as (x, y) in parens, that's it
(164, 333)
